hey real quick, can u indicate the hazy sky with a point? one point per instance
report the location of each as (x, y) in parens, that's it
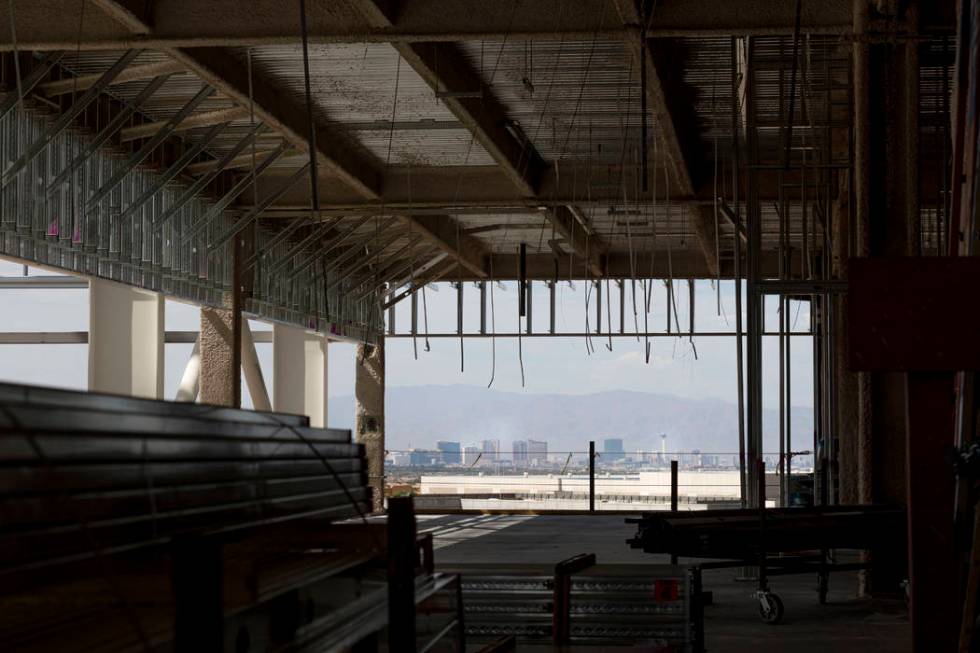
(551, 365)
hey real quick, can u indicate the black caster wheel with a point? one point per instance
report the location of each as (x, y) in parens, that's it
(770, 608)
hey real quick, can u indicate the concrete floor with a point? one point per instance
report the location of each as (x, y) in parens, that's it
(732, 624)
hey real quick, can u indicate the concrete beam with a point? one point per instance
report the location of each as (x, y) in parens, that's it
(687, 263)
(337, 156)
(433, 190)
(238, 162)
(126, 330)
(299, 373)
(666, 116)
(570, 224)
(445, 69)
(661, 115)
(446, 234)
(703, 223)
(222, 70)
(121, 24)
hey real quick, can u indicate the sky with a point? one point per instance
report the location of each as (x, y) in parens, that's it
(563, 365)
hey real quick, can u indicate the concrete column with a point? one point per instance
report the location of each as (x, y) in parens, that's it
(299, 373)
(369, 391)
(886, 121)
(846, 419)
(221, 360)
(126, 334)
(886, 73)
(221, 334)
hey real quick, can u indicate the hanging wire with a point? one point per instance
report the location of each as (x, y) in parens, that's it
(466, 158)
(425, 320)
(493, 328)
(609, 345)
(520, 346)
(411, 273)
(714, 199)
(78, 48)
(16, 52)
(376, 282)
(319, 271)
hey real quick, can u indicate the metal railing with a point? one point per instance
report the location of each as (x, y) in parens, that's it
(587, 479)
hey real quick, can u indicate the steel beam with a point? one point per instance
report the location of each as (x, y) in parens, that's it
(446, 234)
(238, 162)
(225, 201)
(325, 249)
(65, 120)
(138, 157)
(194, 121)
(107, 132)
(174, 170)
(45, 25)
(131, 74)
(38, 73)
(194, 189)
(242, 223)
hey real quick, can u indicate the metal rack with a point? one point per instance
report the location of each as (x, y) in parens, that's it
(580, 602)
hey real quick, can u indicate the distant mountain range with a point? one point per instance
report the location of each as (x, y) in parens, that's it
(420, 416)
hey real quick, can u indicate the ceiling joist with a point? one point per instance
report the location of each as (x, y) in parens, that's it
(165, 24)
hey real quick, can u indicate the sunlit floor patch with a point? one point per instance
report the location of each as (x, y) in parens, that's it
(473, 527)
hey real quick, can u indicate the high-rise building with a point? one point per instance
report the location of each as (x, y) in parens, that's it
(420, 457)
(451, 452)
(537, 451)
(612, 449)
(491, 450)
(520, 451)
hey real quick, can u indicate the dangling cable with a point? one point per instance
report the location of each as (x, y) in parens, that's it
(311, 144)
(690, 288)
(255, 185)
(414, 325)
(493, 328)
(75, 226)
(589, 346)
(425, 320)
(522, 307)
(715, 203)
(16, 52)
(609, 346)
(636, 323)
(459, 282)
